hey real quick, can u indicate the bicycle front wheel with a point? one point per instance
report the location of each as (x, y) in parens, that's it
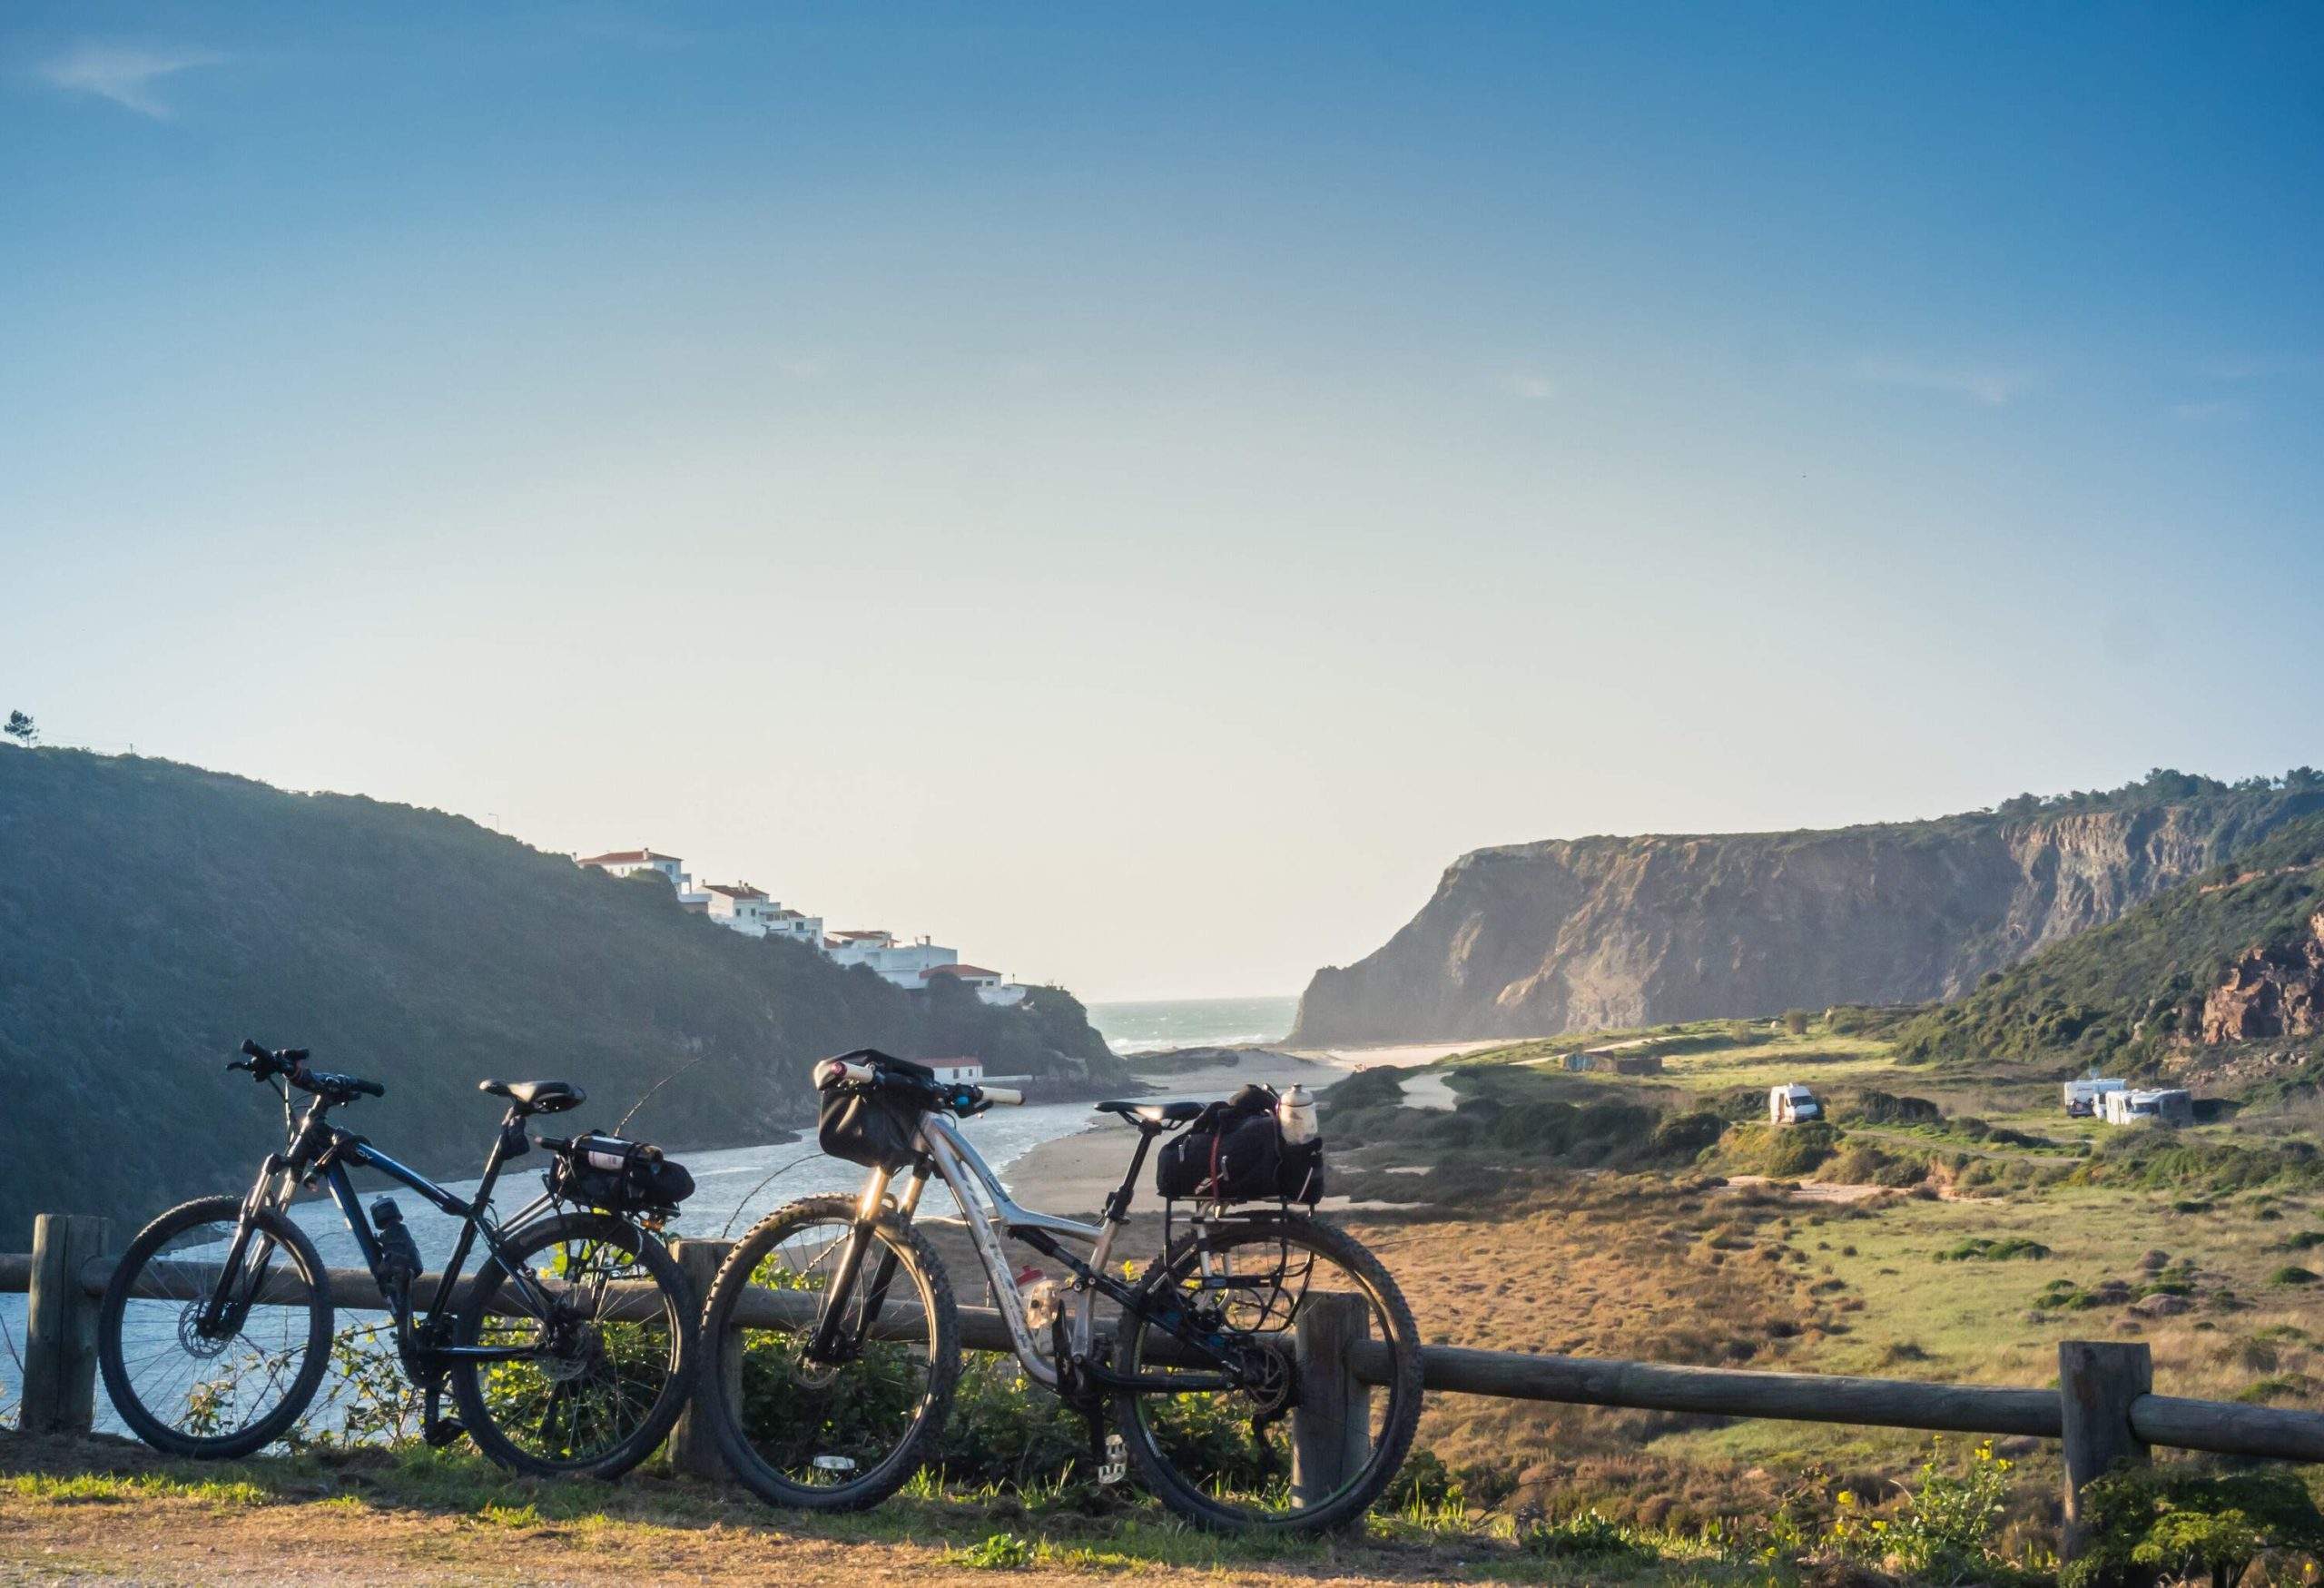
(1281, 1287)
(601, 1342)
(842, 1433)
(191, 1378)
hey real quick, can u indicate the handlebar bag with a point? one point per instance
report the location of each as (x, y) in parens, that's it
(1233, 1151)
(605, 1171)
(874, 1126)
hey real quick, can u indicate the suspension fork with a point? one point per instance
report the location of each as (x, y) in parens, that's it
(877, 1296)
(824, 1344)
(232, 1296)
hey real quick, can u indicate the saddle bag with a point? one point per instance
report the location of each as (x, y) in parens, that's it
(1235, 1152)
(874, 1129)
(607, 1172)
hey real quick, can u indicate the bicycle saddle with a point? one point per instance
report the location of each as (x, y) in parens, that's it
(538, 1097)
(1152, 1115)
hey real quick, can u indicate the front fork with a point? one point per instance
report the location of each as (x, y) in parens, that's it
(833, 1340)
(231, 1298)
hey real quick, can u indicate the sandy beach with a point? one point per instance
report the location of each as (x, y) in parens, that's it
(1073, 1174)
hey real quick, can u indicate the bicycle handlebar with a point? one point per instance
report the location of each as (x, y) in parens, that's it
(291, 1063)
(959, 1097)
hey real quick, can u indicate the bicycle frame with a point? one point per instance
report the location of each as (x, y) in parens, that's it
(989, 1212)
(327, 1151)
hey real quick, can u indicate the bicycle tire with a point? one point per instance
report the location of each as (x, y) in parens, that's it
(121, 1385)
(1391, 1441)
(723, 1339)
(595, 1359)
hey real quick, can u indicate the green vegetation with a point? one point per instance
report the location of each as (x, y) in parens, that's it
(2192, 1526)
(2114, 994)
(1980, 1248)
(155, 914)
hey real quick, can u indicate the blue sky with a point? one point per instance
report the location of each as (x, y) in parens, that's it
(1135, 492)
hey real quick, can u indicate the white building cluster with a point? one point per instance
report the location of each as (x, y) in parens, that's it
(740, 907)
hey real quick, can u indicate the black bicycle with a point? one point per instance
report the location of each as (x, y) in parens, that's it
(834, 1320)
(570, 1352)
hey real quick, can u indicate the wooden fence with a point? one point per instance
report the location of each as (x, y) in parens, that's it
(2104, 1410)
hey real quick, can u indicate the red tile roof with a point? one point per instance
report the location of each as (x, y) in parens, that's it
(961, 971)
(733, 890)
(627, 857)
(844, 935)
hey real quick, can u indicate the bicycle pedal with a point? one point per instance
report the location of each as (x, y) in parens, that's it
(445, 1431)
(1116, 1466)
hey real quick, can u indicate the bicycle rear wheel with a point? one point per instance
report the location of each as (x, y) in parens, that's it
(215, 1388)
(609, 1340)
(1227, 1458)
(844, 1434)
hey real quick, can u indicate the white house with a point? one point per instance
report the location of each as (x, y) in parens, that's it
(797, 926)
(620, 862)
(903, 963)
(952, 1070)
(990, 986)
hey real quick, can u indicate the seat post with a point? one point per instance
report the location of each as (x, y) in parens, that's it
(1117, 1202)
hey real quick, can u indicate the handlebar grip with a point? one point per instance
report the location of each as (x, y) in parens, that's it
(1007, 1096)
(251, 1050)
(370, 1089)
(832, 1072)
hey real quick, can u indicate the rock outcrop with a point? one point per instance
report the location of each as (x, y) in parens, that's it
(1576, 934)
(2275, 989)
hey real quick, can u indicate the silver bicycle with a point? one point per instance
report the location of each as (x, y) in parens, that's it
(834, 1326)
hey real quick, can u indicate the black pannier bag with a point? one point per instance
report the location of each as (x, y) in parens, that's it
(599, 1170)
(874, 1129)
(1233, 1151)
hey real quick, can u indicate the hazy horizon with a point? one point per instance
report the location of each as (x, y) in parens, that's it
(1134, 496)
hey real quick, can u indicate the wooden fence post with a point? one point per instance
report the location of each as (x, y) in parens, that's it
(2097, 1382)
(61, 1326)
(693, 1449)
(1330, 1427)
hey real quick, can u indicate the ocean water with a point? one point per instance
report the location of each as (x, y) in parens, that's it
(1193, 1022)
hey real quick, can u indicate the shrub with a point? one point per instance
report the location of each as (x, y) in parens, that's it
(1879, 1107)
(2193, 1525)
(1687, 1136)
(1981, 1249)
(2292, 1273)
(1796, 1021)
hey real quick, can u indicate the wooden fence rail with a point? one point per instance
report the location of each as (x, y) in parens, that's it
(2103, 1411)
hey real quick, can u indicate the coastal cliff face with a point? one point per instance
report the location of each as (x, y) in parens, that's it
(1535, 939)
(2274, 990)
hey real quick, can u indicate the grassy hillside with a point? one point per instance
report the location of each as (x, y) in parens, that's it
(151, 915)
(2115, 993)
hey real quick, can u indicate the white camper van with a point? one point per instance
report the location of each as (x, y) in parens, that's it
(1792, 1105)
(2169, 1106)
(2087, 1098)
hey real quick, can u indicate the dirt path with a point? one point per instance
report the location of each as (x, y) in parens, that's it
(107, 1511)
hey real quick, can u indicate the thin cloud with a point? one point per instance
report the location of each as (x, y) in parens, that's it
(1992, 387)
(126, 75)
(2219, 411)
(1529, 387)
(2260, 366)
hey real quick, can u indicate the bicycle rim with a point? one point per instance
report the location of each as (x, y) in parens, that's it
(184, 1383)
(846, 1432)
(1232, 1457)
(602, 1327)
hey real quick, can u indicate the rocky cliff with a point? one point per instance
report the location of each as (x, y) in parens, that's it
(2272, 990)
(1576, 934)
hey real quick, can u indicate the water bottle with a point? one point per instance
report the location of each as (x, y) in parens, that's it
(399, 1262)
(1295, 1114)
